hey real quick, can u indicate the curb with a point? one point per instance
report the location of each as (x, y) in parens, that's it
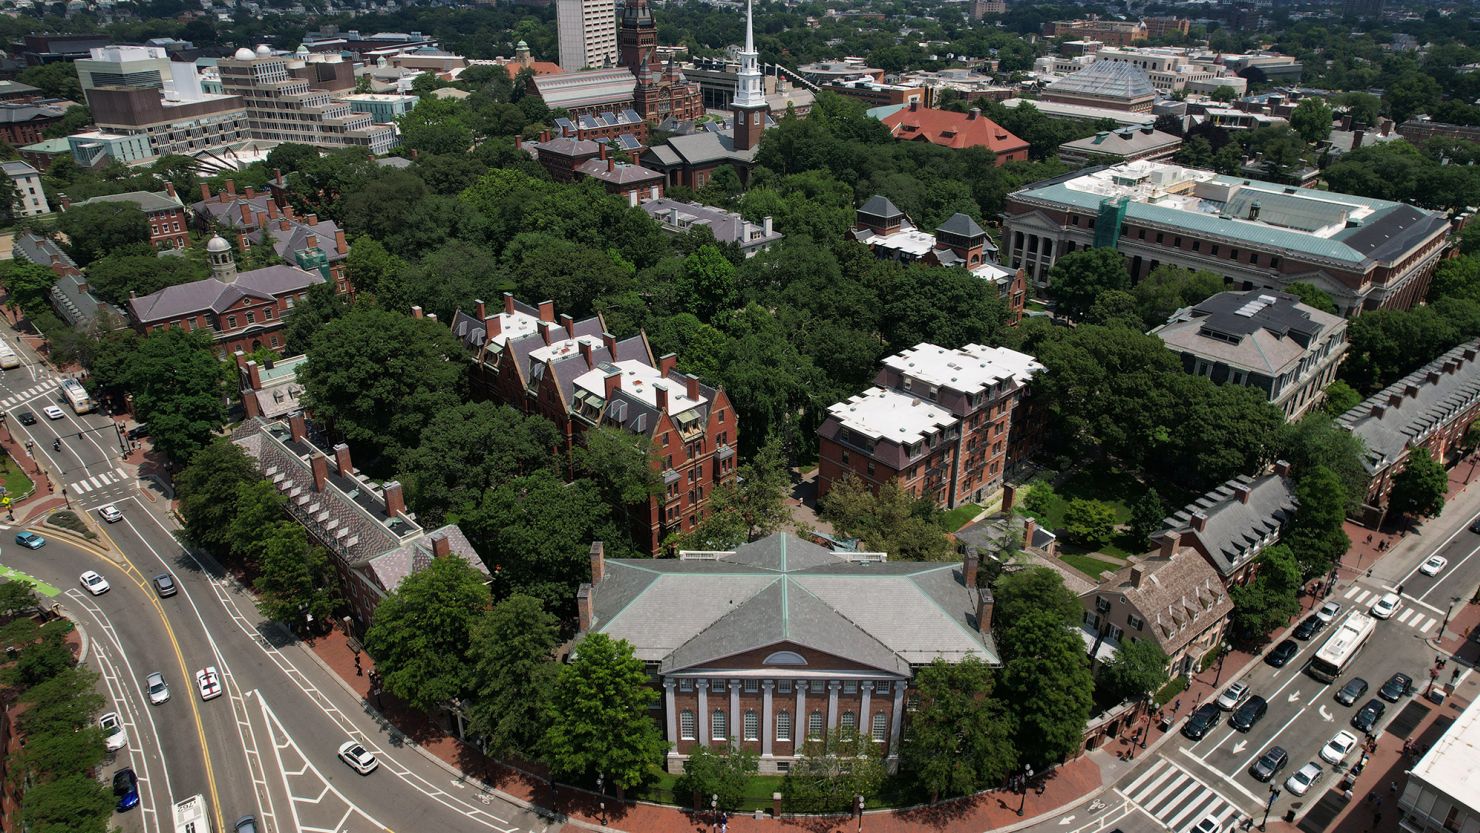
(81, 634)
(77, 540)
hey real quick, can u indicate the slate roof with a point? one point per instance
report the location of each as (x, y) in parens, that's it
(1235, 531)
(879, 206)
(1406, 412)
(210, 295)
(285, 242)
(1179, 597)
(690, 613)
(961, 225)
(727, 226)
(1127, 141)
(621, 173)
(147, 201)
(1261, 330)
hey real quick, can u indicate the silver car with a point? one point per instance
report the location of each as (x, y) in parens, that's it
(159, 690)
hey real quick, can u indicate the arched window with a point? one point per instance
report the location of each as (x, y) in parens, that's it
(783, 725)
(850, 721)
(752, 725)
(785, 658)
(686, 724)
(881, 727)
(717, 725)
(814, 726)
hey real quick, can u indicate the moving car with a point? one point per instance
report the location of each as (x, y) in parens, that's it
(1232, 696)
(30, 540)
(126, 787)
(1309, 627)
(1364, 720)
(1434, 565)
(209, 683)
(110, 513)
(1385, 607)
(26, 418)
(1283, 653)
(115, 737)
(357, 757)
(1338, 747)
(1209, 824)
(52, 412)
(159, 690)
(1354, 688)
(1271, 762)
(1200, 721)
(1300, 783)
(1249, 713)
(245, 824)
(164, 585)
(1397, 687)
(95, 584)
(1328, 612)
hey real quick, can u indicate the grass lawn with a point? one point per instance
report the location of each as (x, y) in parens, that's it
(14, 480)
(956, 518)
(758, 790)
(1088, 564)
(1111, 487)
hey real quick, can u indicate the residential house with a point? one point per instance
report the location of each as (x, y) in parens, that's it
(168, 228)
(1230, 525)
(727, 226)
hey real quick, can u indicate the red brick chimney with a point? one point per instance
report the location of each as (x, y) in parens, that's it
(660, 397)
(1199, 521)
(416, 311)
(984, 604)
(602, 150)
(508, 303)
(611, 164)
(251, 192)
(1138, 574)
(246, 212)
(613, 383)
(231, 187)
(492, 327)
(341, 245)
(272, 209)
(481, 307)
(441, 545)
(254, 376)
(1242, 491)
(547, 311)
(205, 192)
(284, 224)
(693, 387)
(969, 569)
(395, 500)
(666, 363)
(261, 219)
(609, 341)
(1009, 496)
(1030, 526)
(1282, 468)
(169, 188)
(598, 562)
(583, 606)
(1170, 542)
(312, 241)
(297, 427)
(569, 324)
(320, 472)
(313, 219)
(342, 462)
(586, 353)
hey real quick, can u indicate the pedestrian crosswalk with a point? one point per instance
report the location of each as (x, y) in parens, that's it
(27, 394)
(1177, 799)
(1407, 615)
(99, 481)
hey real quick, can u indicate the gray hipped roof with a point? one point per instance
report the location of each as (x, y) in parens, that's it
(880, 206)
(1404, 413)
(961, 225)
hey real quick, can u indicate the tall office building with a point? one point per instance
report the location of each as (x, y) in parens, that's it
(588, 33)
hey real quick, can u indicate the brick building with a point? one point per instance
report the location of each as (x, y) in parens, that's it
(1430, 408)
(579, 376)
(782, 641)
(373, 543)
(257, 218)
(948, 128)
(168, 228)
(23, 124)
(936, 422)
(1108, 32)
(1174, 599)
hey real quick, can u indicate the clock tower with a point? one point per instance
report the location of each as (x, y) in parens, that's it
(749, 105)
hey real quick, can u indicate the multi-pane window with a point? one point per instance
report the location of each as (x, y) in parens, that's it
(783, 725)
(685, 685)
(752, 725)
(850, 721)
(850, 687)
(814, 726)
(783, 686)
(752, 686)
(881, 727)
(686, 724)
(717, 725)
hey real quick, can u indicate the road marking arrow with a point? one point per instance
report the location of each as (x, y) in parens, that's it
(1239, 747)
(1294, 697)
(1066, 820)
(1325, 715)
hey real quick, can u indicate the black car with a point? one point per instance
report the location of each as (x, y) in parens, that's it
(1365, 719)
(126, 789)
(1272, 761)
(1308, 628)
(1354, 688)
(1283, 653)
(1245, 716)
(140, 430)
(1201, 721)
(1397, 687)
(1474, 527)
(26, 418)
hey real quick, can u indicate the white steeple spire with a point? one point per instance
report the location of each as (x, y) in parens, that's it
(749, 30)
(749, 87)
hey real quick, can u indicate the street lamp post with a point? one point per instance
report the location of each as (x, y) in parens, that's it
(1223, 648)
(601, 792)
(858, 800)
(713, 810)
(1448, 614)
(1027, 776)
(1274, 792)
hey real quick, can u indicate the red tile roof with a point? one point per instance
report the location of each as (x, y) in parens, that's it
(953, 130)
(539, 67)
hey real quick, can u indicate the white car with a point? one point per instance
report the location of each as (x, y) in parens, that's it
(1328, 612)
(110, 513)
(159, 690)
(358, 759)
(115, 737)
(1232, 696)
(1300, 783)
(209, 683)
(95, 584)
(52, 412)
(1209, 824)
(1385, 607)
(1434, 565)
(1336, 749)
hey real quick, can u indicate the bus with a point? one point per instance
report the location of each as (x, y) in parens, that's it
(76, 396)
(191, 815)
(8, 357)
(1337, 654)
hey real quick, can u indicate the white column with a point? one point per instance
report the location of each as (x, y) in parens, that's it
(898, 717)
(671, 712)
(799, 723)
(832, 704)
(737, 723)
(768, 729)
(865, 719)
(703, 686)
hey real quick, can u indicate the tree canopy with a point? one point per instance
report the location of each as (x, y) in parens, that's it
(597, 718)
(420, 637)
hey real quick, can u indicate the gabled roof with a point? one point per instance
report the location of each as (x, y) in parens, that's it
(1235, 530)
(1404, 413)
(1178, 597)
(213, 296)
(948, 128)
(147, 201)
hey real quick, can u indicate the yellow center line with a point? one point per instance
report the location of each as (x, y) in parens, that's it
(137, 577)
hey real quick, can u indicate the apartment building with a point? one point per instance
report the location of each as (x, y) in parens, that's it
(299, 99)
(1365, 253)
(937, 422)
(587, 32)
(579, 376)
(1232, 524)
(168, 228)
(27, 199)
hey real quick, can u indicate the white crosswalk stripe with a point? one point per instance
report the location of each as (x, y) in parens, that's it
(1351, 591)
(1362, 597)
(1177, 799)
(96, 482)
(1422, 624)
(1403, 617)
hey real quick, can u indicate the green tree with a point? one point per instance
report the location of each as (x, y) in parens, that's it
(420, 636)
(1147, 513)
(1090, 523)
(1170, 288)
(1312, 120)
(1079, 277)
(101, 228)
(321, 304)
(178, 386)
(72, 804)
(1139, 666)
(709, 282)
(598, 719)
(1318, 441)
(1420, 488)
(893, 521)
(207, 490)
(55, 80)
(1116, 308)
(960, 738)
(466, 450)
(1312, 295)
(1316, 535)
(257, 508)
(295, 582)
(1267, 602)
(113, 276)
(1224, 95)
(623, 465)
(833, 770)
(1411, 93)
(716, 776)
(1047, 682)
(17, 596)
(27, 286)
(512, 654)
(1021, 592)
(1340, 398)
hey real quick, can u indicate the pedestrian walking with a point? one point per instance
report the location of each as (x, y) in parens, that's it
(1369, 537)
(1454, 676)
(1393, 787)
(1376, 819)
(1400, 590)
(1177, 706)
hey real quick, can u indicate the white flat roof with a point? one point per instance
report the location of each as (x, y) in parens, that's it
(1076, 111)
(971, 369)
(514, 325)
(564, 347)
(994, 273)
(641, 380)
(1452, 766)
(887, 414)
(911, 241)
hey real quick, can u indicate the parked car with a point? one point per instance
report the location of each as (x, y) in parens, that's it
(30, 540)
(1475, 527)
(159, 690)
(1397, 687)
(1385, 607)
(1232, 696)
(209, 683)
(26, 418)
(1301, 782)
(1283, 653)
(1270, 763)
(245, 824)
(1309, 627)
(1200, 721)
(1338, 747)
(110, 513)
(164, 585)
(357, 757)
(1328, 612)
(1367, 717)
(140, 430)
(126, 788)
(1434, 565)
(95, 584)
(1349, 693)
(1249, 713)
(115, 737)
